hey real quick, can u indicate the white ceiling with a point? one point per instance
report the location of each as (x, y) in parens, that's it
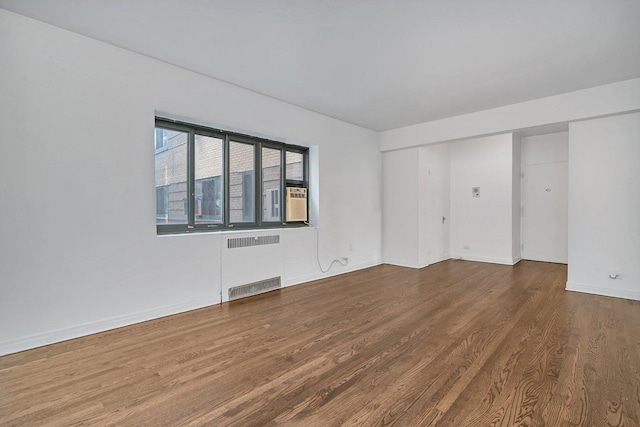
(380, 64)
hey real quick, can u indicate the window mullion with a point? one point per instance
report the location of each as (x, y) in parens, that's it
(257, 164)
(305, 173)
(283, 185)
(226, 183)
(191, 185)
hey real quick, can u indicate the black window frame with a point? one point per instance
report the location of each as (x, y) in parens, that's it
(227, 137)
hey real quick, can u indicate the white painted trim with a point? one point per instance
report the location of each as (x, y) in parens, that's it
(604, 291)
(51, 337)
(406, 263)
(318, 276)
(492, 260)
(516, 260)
(444, 258)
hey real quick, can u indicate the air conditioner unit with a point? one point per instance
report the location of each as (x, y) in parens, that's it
(296, 204)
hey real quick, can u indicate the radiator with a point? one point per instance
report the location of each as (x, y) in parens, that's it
(251, 264)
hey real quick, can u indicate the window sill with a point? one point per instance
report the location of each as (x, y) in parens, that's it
(234, 230)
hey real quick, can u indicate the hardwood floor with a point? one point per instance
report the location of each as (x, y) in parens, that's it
(457, 343)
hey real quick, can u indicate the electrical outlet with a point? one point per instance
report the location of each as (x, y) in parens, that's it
(466, 247)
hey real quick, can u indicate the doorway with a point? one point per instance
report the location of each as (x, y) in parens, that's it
(438, 191)
(545, 198)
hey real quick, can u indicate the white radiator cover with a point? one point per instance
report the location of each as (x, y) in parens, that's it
(250, 257)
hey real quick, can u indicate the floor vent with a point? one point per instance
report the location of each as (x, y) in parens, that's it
(254, 288)
(243, 242)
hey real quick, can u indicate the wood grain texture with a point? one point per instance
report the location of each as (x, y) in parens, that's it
(454, 344)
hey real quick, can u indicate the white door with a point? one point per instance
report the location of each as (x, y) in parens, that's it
(544, 221)
(438, 213)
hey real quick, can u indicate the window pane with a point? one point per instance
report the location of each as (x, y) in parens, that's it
(162, 203)
(271, 185)
(161, 139)
(241, 182)
(208, 205)
(295, 170)
(171, 174)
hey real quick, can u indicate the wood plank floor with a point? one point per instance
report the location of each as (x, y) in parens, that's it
(457, 343)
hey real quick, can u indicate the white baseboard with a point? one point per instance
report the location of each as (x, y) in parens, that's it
(46, 338)
(406, 263)
(492, 260)
(423, 264)
(603, 291)
(336, 272)
(445, 257)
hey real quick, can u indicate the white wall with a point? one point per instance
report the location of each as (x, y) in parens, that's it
(516, 198)
(485, 223)
(423, 208)
(599, 101)
(401, 188)
(408, 199)
(604, 206)
(547, 148)
(78, 244)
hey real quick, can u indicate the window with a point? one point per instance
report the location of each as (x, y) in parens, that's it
(271, 205)
(162, 203)
(209, 200)
(295, 164)
(161, 139)
(171, 175)
(210, 179)
(271, 179)
(247, 196)
(241, 182)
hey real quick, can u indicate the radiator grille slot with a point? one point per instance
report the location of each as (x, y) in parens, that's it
(243, 242)
(254, 288)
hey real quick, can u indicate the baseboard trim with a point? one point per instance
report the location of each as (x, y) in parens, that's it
(406, 263)
(603, 291)
(491, 260)
(52, 337)
(317, 276)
